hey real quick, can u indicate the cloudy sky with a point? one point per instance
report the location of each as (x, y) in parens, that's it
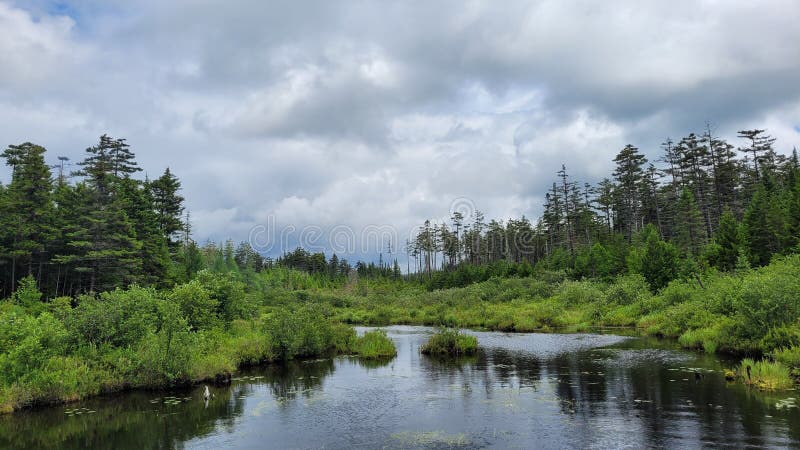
(354, 115)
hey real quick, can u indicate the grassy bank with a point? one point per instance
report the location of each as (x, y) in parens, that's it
(69, 349)
(748, 313)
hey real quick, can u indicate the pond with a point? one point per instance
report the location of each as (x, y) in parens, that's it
(520, 391)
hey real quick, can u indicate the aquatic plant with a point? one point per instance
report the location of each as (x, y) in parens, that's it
(450, 342)
(373, 345)
(766, 375)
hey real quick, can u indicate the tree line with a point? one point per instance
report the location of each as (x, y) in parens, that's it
(90, 230)
(703, 201)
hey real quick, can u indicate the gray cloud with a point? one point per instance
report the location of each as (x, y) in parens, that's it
(371, 113)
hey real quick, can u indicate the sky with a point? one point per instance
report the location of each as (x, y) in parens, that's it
(342, 125)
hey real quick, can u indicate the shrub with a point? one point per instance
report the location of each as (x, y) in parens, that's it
(119, 318)
(197, 305)
(788, 356)
(627, 290)
(579, 292)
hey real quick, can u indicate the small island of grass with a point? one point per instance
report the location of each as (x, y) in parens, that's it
(450, 342)
(374, 345)
(765, 375)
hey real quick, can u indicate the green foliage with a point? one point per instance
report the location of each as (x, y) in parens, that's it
(451, 343)
(27, 294)
(197, 305)
(789, 357)
(728, 244)
(656, 260)
(766, 375)
(303, 332)
(228, 293)
(374, 344)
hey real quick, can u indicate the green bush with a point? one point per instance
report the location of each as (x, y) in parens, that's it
(119, 317)
(197, 305)
(789, 357)
(627, 290)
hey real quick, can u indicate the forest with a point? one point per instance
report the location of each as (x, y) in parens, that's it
(105, 288)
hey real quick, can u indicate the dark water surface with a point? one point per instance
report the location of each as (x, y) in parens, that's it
(521, 391)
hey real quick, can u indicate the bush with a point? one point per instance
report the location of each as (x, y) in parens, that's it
(197, 305)
(119, 318)
(228, 293)
(788, 356)
(628, 290)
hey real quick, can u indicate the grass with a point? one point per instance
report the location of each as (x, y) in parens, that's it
(765, 375)
(374, 345)
(450, 342)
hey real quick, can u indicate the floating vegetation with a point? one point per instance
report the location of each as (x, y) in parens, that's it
(786, 403)
(248, 378)
(78, 411)
(431, 439)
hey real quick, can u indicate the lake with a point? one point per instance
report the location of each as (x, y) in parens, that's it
(520, 391)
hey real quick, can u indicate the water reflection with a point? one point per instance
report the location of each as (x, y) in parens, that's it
(523, 391)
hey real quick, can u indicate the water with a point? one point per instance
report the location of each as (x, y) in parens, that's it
(521, 391)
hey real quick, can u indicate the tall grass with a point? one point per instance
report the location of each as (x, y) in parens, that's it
(766, 375)
(373, 345)
(450, 342)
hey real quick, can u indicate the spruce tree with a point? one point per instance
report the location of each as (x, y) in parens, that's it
(168, 205)
(690, 232)
(28, 211)
(728, 243)
(154, 254)
(629, 175)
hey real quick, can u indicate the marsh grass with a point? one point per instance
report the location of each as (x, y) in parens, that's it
(765, 375)
(374, 345)
(450, 342)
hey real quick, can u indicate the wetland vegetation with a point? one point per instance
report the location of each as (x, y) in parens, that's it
(106, 290)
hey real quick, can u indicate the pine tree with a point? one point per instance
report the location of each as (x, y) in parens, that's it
(27, 211)
(760, 147)
(758, 225)
(103, 238)
(168, 206)
(154, 254)
(728, 243)
(629, 175)
(690, 232)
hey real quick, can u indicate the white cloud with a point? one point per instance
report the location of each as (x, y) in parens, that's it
(383, 113)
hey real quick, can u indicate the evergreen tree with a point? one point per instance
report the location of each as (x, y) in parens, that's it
(27, 210)
(103, 239)
(728, 243)
(168, 206)
(154, 254)
(690, 233)
(759, 228)
(629, 175)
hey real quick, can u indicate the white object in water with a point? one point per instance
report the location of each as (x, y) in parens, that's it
(206, 393)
